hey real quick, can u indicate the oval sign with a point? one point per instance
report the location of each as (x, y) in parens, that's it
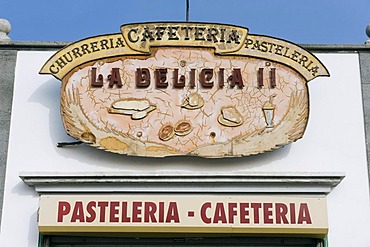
(166, 89)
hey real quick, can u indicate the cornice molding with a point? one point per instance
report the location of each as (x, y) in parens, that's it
(221, 183)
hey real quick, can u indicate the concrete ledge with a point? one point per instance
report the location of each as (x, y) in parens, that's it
(336, 47)
(32, 45)
(298, 183)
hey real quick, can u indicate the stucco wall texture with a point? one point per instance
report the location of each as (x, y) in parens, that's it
(7, 70)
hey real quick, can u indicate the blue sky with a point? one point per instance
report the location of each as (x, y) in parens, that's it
(303, 22)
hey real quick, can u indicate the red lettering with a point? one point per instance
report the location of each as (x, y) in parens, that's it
(78, 213)
(292, 213)
(260, 77)
(244, 211)
(172, 213)
(219, 214)
(91, 212)
(142, 77)
(237, 78)
(232, 211)
(203, 213)
(149, 209)
(63, 209)
(136, 211)
(205, 78)
(125, 217)
(94, 82)
(161, 212)
(304, 214)
(115, 78)
(267, 213)
(113, 217)
(160, 78)
(102, 206)
(273, 78)
(221, 79)
(281, 211)
(176, 82)
(192, 78)
(256, 215)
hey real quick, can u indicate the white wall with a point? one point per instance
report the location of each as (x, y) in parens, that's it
(334, 142)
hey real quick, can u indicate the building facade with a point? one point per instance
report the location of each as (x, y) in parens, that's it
(326, 171)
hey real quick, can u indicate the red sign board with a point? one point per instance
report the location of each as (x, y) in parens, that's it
(182, 213)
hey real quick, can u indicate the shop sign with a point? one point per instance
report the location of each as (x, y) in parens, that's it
(183, 214)
(199, 89)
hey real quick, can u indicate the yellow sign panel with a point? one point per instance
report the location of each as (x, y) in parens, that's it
(183, 214)
(224, 39)
(200, 89)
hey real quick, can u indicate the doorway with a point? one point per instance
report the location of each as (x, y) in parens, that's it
(67, 241)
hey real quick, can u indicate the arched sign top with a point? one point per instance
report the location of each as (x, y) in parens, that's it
(227, 40)
(223, 38)
(172, 89)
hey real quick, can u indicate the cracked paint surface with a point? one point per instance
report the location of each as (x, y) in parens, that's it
(206, 131)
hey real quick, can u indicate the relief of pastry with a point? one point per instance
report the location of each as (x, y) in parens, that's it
(183, 128)
(193, 101)
(137, 108)
(230, 117)
(166, 132)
